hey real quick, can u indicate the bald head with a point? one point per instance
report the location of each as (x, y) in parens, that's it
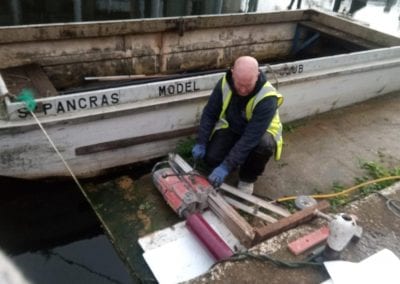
(245, 73)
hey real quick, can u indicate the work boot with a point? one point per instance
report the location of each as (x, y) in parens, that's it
(246, 187)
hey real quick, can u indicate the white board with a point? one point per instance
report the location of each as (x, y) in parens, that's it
(174, 254)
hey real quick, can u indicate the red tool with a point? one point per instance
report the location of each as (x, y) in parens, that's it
(186, 192)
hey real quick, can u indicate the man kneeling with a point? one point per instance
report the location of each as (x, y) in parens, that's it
(240, 125)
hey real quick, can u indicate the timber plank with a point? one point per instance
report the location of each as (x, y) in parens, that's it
(249, 209)
(40, 81)
(255, 200)
(28, 76)
(231, 218)
(287, 223)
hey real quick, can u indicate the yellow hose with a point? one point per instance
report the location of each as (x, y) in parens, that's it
(330, 195)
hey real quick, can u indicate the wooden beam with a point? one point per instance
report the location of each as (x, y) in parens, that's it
(29, 76)
(253, 210)
(239, 227)
(255, 200)
(287, 223)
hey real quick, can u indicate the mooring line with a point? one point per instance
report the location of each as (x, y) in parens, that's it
(71, 173)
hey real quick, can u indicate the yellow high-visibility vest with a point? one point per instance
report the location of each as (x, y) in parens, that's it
(275, 128)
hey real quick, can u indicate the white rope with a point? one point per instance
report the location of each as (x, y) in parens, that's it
(58, 153)
(72, 173)
(273, 74)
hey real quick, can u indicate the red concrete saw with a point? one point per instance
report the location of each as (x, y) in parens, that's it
(186, 191)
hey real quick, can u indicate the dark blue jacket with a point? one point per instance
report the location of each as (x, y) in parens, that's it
(251, 132)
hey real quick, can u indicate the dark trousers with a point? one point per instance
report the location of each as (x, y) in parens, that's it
(222, 142)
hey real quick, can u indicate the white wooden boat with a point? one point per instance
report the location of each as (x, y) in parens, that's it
(98, 128)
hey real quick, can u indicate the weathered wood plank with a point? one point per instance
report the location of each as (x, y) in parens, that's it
(227, 37)
(222, 57)
(255, 200)
(287, 223)
(250, 209)
(231, 218)
(46, 32)
(40, 81)
(28, 76)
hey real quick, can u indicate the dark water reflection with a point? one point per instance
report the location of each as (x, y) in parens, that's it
(85, 261)
(17, 12)
(53, 236)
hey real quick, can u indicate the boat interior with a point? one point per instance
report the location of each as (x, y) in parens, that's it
(307, 34)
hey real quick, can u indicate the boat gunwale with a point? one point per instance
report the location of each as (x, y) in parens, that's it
(16, 126)
(94, 114)
(363, 60)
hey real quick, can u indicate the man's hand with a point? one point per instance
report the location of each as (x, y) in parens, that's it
(198, 151)
(217, 177)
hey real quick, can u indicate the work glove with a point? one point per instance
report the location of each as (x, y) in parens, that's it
(198, 151)
(218, 175)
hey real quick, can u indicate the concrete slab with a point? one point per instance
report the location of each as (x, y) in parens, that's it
(328, 148)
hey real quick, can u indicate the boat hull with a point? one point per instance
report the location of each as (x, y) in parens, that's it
(99, 139)
(99, 129)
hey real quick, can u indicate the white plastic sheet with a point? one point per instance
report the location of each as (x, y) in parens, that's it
(382, 267)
